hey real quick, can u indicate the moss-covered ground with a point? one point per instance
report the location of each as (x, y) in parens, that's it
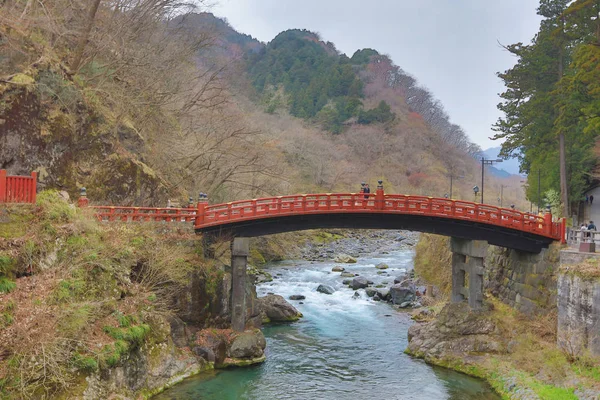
(77, 296)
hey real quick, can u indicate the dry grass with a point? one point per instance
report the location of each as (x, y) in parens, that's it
(589, 269)
(88, 281)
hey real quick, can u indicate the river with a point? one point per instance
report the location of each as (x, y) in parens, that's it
(343, 348)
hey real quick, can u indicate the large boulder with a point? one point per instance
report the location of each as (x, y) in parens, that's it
(456, 333)
(383, 293)
(370, 291)
(400, 278)
(276, 309)
(249, 344)
(344, 258)
(359, 282)
(403, 292)
(326, 289)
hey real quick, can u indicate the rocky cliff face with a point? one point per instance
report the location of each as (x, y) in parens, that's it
(457, 332)
(146, 371)
(49, 125)
(579, 314)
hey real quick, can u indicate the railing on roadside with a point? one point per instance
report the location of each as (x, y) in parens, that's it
(17, 189)
(218, 214)
(577, 236)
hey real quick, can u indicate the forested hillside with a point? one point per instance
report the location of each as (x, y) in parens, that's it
(552, 101)
(164, 101)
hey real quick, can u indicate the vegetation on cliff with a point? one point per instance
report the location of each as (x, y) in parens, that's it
(87, 294)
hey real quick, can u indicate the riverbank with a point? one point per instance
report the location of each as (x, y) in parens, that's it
(516, 353)
(92, 310)
(346, 344)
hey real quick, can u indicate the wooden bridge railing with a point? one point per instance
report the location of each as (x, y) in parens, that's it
(205, 215)
(212, 215)
(17, 189)
(131, 214)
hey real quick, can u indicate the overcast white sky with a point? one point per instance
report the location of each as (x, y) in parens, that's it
(450, 46)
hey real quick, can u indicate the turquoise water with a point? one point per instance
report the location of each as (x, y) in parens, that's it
(343, 348)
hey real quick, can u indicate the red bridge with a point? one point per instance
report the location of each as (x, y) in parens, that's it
(456, 218)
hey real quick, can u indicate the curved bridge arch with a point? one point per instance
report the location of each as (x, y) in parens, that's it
(499, 226)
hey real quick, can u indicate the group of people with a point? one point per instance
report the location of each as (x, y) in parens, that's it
(589, 199)
(589, 227)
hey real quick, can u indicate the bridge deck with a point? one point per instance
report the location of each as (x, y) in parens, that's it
(232, 215)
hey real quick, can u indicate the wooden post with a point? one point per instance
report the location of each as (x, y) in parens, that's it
(379, 196)
(2, 185)
(33, 190)
(548, 224)
(200, 214)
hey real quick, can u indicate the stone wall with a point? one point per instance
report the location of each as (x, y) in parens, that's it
(579, 303)
(525, 281)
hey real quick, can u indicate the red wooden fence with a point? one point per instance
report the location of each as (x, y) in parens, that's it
(328, 203)
(17, 189)
(126, 214)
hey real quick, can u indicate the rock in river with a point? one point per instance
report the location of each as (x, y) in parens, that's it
(297, 297)
(248, 345)
(344, 258)
(325, 289)
(275, 309)
(403, 292)
(383, 293)
(370, 291)
(337, 268)
(382, 266)
(359, 282)
(347, 275)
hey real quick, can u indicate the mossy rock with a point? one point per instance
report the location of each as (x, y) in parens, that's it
(22, 79)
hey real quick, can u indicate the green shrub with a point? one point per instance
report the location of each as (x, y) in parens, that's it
(6, 285)
(68, 289)
(75, 319)
(84, 363)
(55, 208)
(111, 353)
(6, 264)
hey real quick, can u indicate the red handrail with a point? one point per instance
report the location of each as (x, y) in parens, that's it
(126, 214)
(327, 203)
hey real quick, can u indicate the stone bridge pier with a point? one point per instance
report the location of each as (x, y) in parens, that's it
(240, 248)
(467, 266)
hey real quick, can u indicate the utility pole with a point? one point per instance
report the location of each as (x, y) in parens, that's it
(485, 162)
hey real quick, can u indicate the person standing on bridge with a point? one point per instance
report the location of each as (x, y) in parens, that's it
(591, 226)
(367, 191)
(591, 199)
